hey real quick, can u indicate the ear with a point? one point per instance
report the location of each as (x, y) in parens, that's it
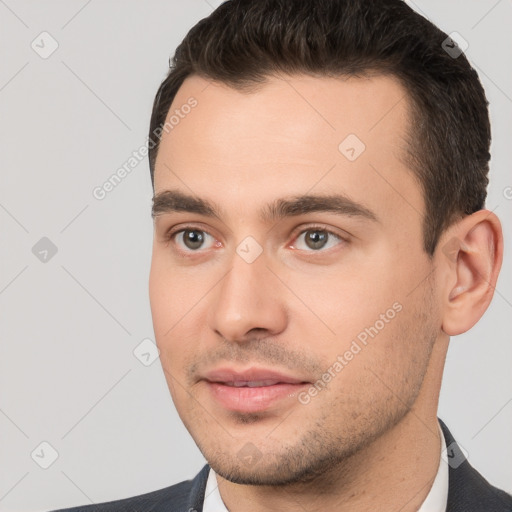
(469, 255)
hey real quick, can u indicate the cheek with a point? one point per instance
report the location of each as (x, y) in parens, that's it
(169, 301)
(380, 370)
(160, 298)
(347, 298)
(172, 294)
(178, 298)
(366, 315)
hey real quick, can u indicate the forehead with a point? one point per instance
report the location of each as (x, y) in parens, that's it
(288, 136)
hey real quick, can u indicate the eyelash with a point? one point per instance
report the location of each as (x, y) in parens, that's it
(171, 234)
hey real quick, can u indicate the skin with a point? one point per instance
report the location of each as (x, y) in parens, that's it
(370, 439)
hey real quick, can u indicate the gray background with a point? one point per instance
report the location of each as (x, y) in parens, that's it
(69, 326)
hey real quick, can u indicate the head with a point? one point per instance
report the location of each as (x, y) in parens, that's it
(320, 172)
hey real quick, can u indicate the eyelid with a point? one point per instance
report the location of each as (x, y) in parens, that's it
(178, 228)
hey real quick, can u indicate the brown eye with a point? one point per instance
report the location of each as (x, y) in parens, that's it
(192, 238)
(316, 239)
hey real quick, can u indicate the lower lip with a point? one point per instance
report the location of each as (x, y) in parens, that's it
(257, 399)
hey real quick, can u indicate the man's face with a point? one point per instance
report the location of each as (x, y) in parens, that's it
(294, 336)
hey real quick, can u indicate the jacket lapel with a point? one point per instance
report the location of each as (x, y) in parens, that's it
(197, 490)
(468, 490)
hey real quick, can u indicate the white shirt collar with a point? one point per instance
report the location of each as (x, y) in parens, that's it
(438, 496)
(434, 502)
(212, 500)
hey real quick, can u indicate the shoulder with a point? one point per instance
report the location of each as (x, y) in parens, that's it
(468, 490)
(467, 486)
(186, 496)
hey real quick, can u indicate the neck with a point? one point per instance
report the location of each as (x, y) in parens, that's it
(395, 472)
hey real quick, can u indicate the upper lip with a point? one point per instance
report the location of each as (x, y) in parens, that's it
(230, 375)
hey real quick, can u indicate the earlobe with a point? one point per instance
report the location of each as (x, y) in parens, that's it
(470, 254)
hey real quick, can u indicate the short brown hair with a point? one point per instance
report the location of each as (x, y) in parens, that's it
(243, 42)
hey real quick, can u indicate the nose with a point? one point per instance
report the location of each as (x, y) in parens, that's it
(247, 302)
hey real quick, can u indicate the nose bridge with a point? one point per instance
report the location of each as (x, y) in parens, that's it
(247, 298)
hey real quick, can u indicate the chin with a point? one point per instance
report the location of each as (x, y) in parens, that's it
(277, 469)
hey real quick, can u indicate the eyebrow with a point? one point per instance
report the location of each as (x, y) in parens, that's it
(169, 201)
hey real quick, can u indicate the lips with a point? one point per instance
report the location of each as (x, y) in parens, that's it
(251, 384)
(251, 377)
(252, 390)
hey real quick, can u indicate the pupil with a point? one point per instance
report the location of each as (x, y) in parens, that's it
(316, 239)
(193, 239)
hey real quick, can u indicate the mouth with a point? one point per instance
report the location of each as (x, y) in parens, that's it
(253, 390)
(251, 384)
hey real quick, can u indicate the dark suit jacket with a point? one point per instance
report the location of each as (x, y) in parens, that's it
(468, 491)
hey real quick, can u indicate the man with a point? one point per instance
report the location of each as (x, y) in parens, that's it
(319, 171)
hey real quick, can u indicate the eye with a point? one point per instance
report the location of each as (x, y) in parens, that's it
(316, 239)
(191, 239)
